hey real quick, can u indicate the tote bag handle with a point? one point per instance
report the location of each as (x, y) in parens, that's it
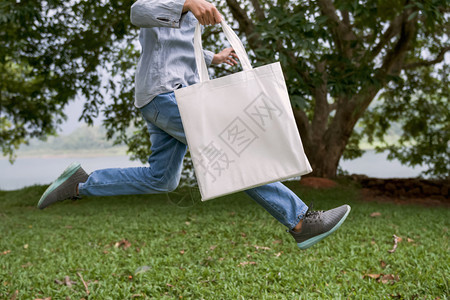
(232, 38)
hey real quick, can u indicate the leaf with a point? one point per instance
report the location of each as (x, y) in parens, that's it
(375, 214)
(123, 243)
(5, 252)
(182, 252)
(389, 278)
(261, 247)
(373, 276)
(28, 264)
(142, 269)
(383, 264)
(413, 15)
(212, 247)
(66, 281)
(244, 263)
(298, 101)
(397, 239)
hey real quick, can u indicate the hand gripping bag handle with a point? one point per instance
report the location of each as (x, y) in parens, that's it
(232, 38)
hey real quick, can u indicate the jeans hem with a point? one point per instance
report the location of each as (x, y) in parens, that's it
(300, 216)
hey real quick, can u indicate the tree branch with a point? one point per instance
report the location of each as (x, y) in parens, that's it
(346, 18)
(329, 10)
(333, 106)
(392, 63)
(424, 63)
(208, 33)
(258, 9)
(342, 32)
(321, 110)
(393, 29)
(303, 125)
(293, 63)
(246, 25)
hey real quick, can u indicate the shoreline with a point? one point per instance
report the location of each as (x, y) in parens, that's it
(87, 154)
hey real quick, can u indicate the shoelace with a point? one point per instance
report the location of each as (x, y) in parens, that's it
(310, 213)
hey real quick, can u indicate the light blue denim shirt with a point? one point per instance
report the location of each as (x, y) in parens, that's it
(167, 59)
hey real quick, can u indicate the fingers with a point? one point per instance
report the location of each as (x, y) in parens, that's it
(230, 61)
(227, 56)
(234, 55)
(231, 57)
(211, 17)
(205, 12)
(217, 16)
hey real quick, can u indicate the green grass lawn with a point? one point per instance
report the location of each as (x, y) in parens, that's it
(140, 247)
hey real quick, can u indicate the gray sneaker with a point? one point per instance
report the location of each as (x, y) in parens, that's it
(64, 187)
(317, 225)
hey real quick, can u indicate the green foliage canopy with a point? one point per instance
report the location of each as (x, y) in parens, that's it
(52, 51)
(358, 64)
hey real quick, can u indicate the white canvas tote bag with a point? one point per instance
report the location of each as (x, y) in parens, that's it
(240, 128)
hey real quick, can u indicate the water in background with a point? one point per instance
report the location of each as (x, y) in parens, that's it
(377, 165)
(35, 170)
(30, 171)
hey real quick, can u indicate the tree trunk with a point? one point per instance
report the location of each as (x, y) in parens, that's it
(325, 163)
(324, 158)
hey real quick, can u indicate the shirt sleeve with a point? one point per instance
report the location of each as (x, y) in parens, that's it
(208, 57)
(157, 13)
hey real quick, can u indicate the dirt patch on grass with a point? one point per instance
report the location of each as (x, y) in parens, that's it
(374, 195)
(405, 190)
(393, 190)
(317, 182)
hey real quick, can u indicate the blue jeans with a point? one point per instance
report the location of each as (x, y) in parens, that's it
(168, 148)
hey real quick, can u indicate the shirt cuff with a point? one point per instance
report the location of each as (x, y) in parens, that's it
(208, 57)
(172, 14)
(157, 13)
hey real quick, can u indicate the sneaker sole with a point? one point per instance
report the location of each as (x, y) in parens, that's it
(314, 240)
(69, 171)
